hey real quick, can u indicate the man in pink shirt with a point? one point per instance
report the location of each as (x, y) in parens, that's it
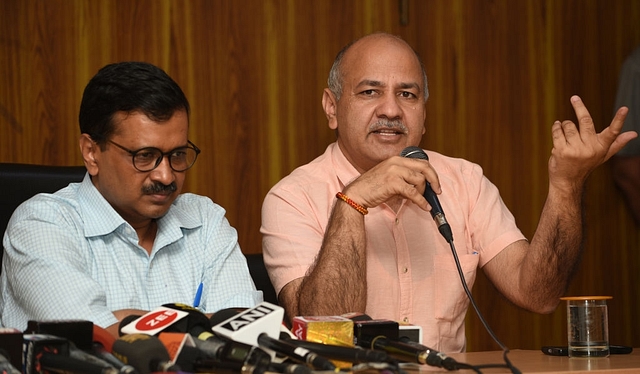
(351, 231)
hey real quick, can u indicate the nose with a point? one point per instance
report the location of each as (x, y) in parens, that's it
(163, 173)
(389, 107)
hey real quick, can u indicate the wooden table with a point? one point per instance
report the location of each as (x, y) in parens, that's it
(537, 362)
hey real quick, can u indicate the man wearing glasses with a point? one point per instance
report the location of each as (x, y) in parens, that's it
(124, 241)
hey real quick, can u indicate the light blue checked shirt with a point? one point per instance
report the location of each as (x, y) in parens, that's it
(69, 255)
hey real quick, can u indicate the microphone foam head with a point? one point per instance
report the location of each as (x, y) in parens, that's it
(414, 152)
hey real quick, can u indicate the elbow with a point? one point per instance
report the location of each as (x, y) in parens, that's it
(547, 306)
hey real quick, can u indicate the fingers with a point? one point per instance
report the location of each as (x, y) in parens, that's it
(579, 149)
(584, 118)
(395, 177)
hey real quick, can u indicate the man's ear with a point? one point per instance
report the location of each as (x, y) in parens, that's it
(330, 104)
(90, 153)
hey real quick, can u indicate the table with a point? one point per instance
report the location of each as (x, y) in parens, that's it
(531, 361)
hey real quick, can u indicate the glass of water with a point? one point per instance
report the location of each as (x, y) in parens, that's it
(588, 326)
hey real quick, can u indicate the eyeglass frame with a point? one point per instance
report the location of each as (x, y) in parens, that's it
(133, 154)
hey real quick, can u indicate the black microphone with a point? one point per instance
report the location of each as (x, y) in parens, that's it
(125, 321)
(354, 355)
(52, 353)
(384, 335)
(250, 325)
(436, 209)
(410, 352)
(144, 352)
(197, 323)
(102, 346)
(434, 358)
(221, 353)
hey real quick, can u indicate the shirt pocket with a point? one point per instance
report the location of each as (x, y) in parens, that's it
(451, 301)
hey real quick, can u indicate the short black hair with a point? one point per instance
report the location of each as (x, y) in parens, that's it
(128, 87)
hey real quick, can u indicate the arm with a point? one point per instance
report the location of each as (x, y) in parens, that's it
(539, 272)
(626, 174)
(120, 315)
(336, 282)
(47, 269)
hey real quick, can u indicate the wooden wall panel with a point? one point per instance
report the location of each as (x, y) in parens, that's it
(500, 72)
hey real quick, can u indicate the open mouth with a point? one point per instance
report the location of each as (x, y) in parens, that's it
(387, 132)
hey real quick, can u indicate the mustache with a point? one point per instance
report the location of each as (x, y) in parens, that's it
(159, 188)
(388, 124)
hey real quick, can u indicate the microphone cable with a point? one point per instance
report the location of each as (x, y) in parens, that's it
(445, 230)
(504, 348)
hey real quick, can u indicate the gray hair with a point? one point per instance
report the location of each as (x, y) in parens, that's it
(334, 81)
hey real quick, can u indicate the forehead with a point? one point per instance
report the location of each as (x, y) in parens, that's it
(136, 125)
(382, 59)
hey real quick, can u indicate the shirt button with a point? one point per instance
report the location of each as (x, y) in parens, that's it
(404, 270)
(397, 221)
(405, 320)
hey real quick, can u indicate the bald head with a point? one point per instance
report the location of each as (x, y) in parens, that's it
(361, 51)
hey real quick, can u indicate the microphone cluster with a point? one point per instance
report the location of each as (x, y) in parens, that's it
(180, 338)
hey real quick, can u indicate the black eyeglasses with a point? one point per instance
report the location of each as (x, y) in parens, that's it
(147, 159)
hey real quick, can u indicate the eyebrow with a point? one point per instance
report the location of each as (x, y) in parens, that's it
(374, 83)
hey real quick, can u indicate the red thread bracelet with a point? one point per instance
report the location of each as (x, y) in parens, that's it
(363, 210)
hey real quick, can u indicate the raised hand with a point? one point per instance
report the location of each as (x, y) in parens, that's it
(578, 150)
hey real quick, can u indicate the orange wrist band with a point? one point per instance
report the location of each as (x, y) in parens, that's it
(352, 203)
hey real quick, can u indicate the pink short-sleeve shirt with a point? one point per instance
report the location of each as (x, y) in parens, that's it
(411, 274)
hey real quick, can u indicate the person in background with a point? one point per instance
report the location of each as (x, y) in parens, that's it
(626, 163)
(351, 230)
(125, 240)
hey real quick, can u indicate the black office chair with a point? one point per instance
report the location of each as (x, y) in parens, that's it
(19, 182)
(261, 277)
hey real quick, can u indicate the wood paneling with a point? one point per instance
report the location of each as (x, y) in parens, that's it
(500, 73)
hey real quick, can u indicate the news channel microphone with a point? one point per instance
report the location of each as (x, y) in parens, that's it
(261, 325)
(216, 352)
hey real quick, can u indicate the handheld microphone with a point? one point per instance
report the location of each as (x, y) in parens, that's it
(436, 209)
(261, 325)
(144, 352)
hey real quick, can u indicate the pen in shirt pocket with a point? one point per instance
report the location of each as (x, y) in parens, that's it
(196, 300)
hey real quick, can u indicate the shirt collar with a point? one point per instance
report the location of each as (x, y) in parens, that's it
(101, 219)
(345, 171)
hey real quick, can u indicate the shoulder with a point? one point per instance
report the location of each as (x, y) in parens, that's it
(311, 175)
(49, 206)
(198, 207)
(453, 166)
